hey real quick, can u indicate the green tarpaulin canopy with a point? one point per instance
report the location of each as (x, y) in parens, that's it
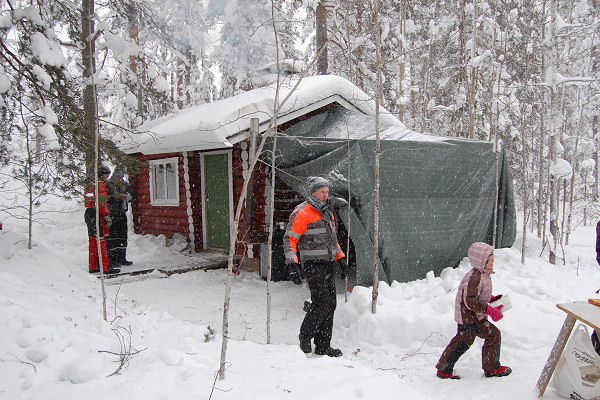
(436, 196)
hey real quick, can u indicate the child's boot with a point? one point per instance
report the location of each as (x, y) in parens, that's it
(443, 375)
(502, 371)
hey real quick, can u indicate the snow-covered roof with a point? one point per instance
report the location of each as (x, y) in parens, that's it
(225, 122)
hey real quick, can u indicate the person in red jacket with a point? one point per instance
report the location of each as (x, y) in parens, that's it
(471, 310)
(311, 231)
(89, 193)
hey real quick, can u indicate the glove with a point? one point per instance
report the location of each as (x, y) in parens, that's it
(495, 313)
(294, 274)
(494, 298)
(343, 267)
(108, 221)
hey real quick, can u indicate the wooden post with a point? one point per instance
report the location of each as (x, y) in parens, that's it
(557, 350)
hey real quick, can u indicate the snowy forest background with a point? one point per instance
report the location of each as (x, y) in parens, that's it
(521, 71)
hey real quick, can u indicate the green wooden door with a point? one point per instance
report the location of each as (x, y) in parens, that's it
(216, 200)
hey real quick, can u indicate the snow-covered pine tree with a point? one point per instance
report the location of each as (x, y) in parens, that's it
(245, 42)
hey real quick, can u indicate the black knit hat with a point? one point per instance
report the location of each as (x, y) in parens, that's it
(316, 182)
(103, 169)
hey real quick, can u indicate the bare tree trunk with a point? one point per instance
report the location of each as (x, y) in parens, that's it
(91, 110)
(97, 209)
(377, 156)
(563, 183)
(545, 214)
(89, 68)
(30, 189)
(525, 188)
(349, 161)
(28, 176)
(541, 218)
(321, 14)
(402, 51)
(413, 107)
(572, 188)
(132, 16)
(180, 72)
(190, 62)
(270, 239)
(553, 139)
(585, 212)
(540, 195)
(595, 156)
(462, 39)
(495, 113)
(527, 210)
(348, 40)
(595, 56)
(474, 73)
(427, 74)
(497, 183)
(273, 175)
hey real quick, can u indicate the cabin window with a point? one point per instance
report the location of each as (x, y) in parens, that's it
(164, 182)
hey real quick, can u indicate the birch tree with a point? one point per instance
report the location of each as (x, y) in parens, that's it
(273, 173)
(553, 121)
(377, 156)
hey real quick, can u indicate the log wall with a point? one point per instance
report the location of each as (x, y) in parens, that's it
(158, 220)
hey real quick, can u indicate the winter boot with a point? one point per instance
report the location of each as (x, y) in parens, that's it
(442, 375)
(305, 345)
(112, 271)
(331, 352)
(502, 371)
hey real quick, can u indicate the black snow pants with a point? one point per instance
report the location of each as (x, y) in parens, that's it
(318, 322)
(117, 240)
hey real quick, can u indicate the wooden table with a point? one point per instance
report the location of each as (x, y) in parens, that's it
(578, 310)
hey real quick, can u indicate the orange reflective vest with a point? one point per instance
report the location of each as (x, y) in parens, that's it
(313, 234)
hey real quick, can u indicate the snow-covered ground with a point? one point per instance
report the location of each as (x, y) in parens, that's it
(55, 344)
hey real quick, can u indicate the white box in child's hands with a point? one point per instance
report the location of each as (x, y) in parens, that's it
(505, 301)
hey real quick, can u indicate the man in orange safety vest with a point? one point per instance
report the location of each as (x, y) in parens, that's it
(311, 231)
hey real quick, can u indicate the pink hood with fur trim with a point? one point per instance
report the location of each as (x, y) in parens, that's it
(475, 288)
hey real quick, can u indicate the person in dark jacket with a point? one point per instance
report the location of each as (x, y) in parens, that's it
(120, 195)
(471, 309)
(311, 231)
(105, 221)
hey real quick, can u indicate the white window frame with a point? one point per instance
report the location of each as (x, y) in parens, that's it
(163, 202)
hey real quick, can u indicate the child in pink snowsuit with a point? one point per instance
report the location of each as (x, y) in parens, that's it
(471, 311)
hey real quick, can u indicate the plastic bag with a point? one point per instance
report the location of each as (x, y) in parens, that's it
(577, 375)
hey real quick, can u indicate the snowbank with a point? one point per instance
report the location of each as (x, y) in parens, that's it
(157, 342)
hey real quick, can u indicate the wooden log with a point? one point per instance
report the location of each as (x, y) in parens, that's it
(163, 212)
